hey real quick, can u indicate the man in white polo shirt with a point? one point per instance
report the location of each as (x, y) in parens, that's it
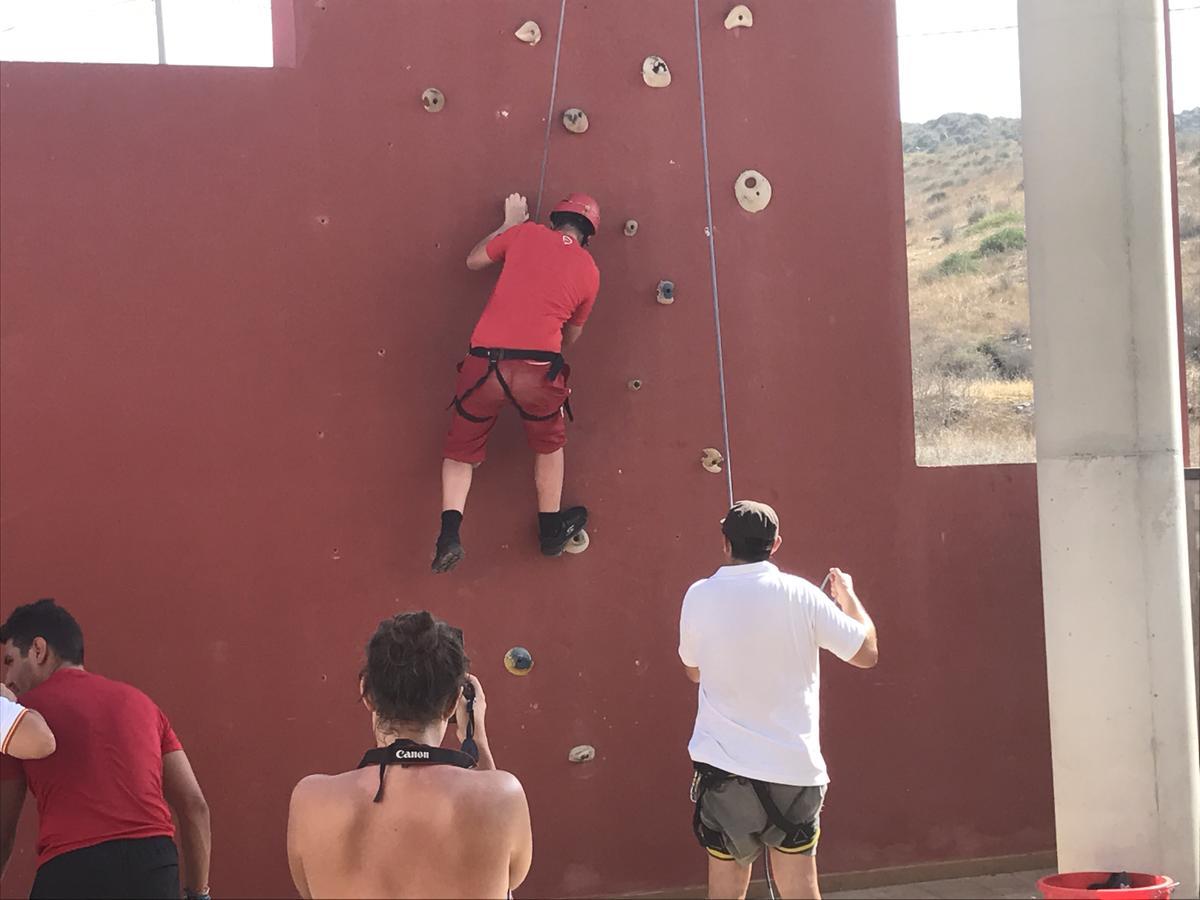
(24, 734)
(760, 778)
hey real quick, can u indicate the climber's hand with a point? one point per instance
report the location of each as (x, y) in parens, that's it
(516, 210)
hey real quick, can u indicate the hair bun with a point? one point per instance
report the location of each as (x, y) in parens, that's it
(418, 630)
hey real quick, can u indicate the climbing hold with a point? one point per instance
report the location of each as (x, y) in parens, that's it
(753, 191)
(739, 17)
(581, 754)
(666, 292)
(518, 661)
(635, 384)
(433, 99)
(631, 228)
(655, 72)
(712, 460)
(530, 33)
(575, 120)
(578, 542)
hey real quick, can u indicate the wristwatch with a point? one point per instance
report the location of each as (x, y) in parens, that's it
(189, 894)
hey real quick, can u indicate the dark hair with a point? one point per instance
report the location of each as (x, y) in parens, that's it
(49, 621)
(579, 222)
(750, 550)
(415, 667)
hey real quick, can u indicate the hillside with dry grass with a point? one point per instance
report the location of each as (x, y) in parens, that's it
(968, 293)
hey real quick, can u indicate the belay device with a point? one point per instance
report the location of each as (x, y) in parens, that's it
(405, 753)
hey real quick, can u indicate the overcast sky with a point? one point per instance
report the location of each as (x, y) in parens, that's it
(975, 68)
(955, 55)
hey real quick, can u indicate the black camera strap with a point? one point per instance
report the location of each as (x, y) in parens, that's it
(405, 753)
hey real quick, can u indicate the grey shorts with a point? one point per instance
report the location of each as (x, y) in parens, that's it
(732, 822)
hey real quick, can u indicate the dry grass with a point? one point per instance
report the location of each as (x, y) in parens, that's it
(965, 412)
(1188, 153)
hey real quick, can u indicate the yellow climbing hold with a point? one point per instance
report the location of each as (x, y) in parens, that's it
(530, 33)
(753, 191)
(739, 17)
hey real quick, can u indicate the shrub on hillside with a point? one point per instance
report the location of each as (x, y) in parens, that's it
(936, 213)
(959, 361)
(947, 233)
(976, 214)
(939, 403)
(958, 263)
(1189, 225)
(1004, 241)
(947, 184)
(936, 197)
(1011, 356)
(996, 220)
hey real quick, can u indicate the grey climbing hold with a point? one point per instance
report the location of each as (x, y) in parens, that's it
(666, 292)
(655, 72)
(753, 191)
(575, 120)
(739, 17)
(631, 228)
(433, 99)
(530, 33)
(581, 754)
(712, 460)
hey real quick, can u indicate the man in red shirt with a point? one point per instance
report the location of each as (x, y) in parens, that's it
(104, 826)
(542, 300)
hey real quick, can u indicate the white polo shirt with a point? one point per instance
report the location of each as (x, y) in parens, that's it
(10, 716)
(756, 633)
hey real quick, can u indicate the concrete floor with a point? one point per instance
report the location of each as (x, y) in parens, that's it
(1014, 886)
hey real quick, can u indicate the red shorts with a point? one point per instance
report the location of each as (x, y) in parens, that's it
(467, 441)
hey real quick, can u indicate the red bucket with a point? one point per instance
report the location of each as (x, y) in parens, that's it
(1074, 886)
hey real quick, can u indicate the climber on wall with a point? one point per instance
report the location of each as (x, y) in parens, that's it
(544, 295)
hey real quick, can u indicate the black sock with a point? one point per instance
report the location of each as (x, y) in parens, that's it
(549, 523)
(451, 519)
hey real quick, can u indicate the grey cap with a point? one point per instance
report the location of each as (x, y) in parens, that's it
(749, 520)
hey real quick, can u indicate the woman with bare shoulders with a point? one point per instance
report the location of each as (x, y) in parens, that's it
(415, 819)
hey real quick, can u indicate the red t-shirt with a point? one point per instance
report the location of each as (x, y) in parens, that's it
(104, 782)
(548, 281)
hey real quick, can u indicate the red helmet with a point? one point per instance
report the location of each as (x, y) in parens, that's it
(580, 204)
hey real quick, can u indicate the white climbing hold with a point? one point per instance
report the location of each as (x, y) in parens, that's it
(739, 17)
(753, 191)
(635, 384)
(581, 754)
(433, 99)
(712, 460)
(578, 542)
(631, 228)
(575, 120)
(655, 72)
(530, 33)
(666, 293)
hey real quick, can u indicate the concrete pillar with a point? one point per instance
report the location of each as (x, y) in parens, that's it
(1109, 437)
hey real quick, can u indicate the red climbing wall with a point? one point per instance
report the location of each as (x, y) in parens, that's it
(232, 300)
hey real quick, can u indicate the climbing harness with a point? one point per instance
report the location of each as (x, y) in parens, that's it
(405, 753)
(496, 355)
(798, 836)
